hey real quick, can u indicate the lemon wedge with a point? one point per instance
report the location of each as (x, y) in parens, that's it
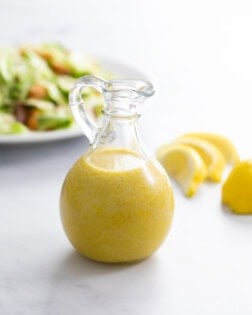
(185, 165)
(212, 156)
(221, 142)
(237, 189)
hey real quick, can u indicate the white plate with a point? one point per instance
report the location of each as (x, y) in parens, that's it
(120, 70)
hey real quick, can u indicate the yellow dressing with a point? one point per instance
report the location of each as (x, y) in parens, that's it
(116, 206)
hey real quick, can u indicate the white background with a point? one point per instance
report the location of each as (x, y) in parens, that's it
(199, 56)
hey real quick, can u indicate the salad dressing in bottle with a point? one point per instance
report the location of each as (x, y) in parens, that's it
(116, 203)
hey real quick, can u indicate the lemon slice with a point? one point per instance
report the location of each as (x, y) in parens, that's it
(212, 156)
(185, 165)
(221, 142)
(237, 189)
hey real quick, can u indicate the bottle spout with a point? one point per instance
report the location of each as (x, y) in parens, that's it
(123, 97)
(133, 88)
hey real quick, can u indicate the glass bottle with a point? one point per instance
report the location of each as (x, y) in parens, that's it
(116, 202)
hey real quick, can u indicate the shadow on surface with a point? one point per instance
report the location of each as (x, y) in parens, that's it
(79, 283)
(243, 219)
(76, 266)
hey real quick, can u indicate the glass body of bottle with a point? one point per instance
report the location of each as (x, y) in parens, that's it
(116, 203)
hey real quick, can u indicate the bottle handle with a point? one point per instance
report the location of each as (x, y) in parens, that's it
(77, 105)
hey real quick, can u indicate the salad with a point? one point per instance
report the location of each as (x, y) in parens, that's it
(34, 84)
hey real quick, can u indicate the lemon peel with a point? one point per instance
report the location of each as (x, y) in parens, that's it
(237, 189)
(185, 165)
(210, 154)
(221, 142)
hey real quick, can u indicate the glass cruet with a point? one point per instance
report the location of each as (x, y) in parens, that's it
(116, 202)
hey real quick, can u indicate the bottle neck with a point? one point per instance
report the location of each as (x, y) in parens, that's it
(122, 105)
(119, 132)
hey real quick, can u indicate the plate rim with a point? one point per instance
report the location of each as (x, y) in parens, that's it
(73, 131)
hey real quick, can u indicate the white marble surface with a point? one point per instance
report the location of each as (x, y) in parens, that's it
(198, 54)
